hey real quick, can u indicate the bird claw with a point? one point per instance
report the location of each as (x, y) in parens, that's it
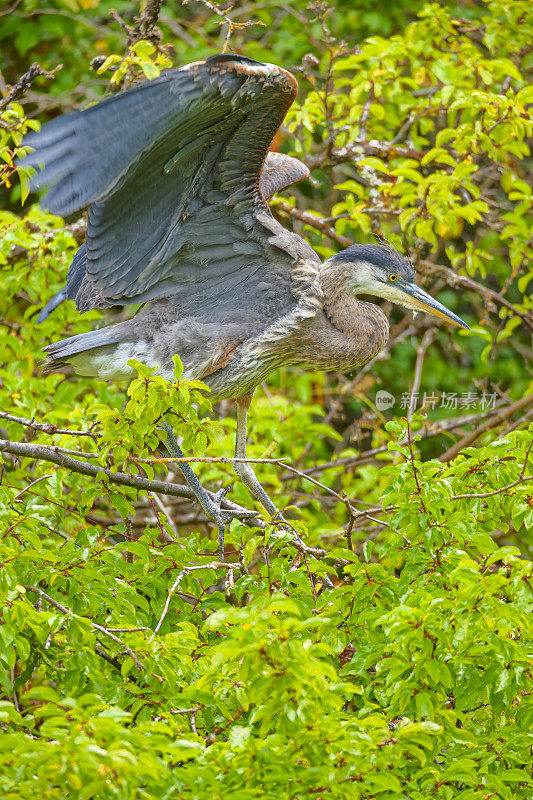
(223, 516)
(211, 503)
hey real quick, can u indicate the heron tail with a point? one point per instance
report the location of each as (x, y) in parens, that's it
(103, 353)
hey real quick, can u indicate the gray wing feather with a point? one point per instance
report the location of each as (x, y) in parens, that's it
(171, 172)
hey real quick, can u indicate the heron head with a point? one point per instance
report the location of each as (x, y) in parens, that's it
(379, 270)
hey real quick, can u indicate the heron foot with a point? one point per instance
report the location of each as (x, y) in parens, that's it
(211, 503)
(248, 477)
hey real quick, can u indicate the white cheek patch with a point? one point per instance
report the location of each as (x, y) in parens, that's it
(386, 290)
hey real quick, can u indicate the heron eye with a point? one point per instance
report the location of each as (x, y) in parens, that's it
(393, 277)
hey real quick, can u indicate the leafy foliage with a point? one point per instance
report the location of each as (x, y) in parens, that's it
(382, 647)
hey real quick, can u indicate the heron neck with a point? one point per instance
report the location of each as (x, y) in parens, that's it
(364, 324)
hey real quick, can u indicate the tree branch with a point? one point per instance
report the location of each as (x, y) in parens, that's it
(45, 427)
(373, 147)
(315, 222)
(145, 27)
(482, 495)
(454, 279)
(420, 355)
(94, 625)
(24, 82)
(53, 454)
(502, 415)
(175, 586)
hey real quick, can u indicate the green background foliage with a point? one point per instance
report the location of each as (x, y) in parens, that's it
(382, 648)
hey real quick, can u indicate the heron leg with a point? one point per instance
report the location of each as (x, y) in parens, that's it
(245, 471)
(211, 504)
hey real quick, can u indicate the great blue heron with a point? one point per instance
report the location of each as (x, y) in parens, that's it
(176, 173)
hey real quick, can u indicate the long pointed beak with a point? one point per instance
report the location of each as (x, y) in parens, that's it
(419, 300)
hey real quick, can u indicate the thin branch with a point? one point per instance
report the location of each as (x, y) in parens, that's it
(454, 279)
(203, 460)
(523, 420)
(501, 415)
(191, 710)
(164, 510)
(44, 427)
(24, 82)
(226, 20)
(114, 662)
(482, 495)
(420, 355)
(10, 10)
(23, 491)
(524, 467)
(94, 625)
(128, 630)
(353, 512)
(185, 571)
(315, 222)
(354, 150)
(208, 460)
(415, 471)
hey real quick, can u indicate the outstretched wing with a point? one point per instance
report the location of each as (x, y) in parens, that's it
(171, 172)
(279, 171)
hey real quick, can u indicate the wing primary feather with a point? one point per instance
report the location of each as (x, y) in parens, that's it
(171, 170)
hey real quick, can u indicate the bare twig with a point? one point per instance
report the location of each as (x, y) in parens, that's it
(337, 155)
(482, 495)
(500, 416)
(225, 20)
(315, 222)
(208, 460)
(520, 422)
(528, 451)
(164, 510)
(127, 630)
(455, 279)
(11, 9)
(193, 721)
(37, 480)
(185, 571)
(100, 628)
(191, 710)
(24, 82)
(127, 29)
(45, 427)
(353, 512)
(420, 355)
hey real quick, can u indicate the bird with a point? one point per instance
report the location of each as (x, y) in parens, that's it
(176, 174)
